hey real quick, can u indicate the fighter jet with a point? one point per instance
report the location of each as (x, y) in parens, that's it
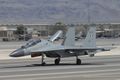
(32, 42)
(67, 48)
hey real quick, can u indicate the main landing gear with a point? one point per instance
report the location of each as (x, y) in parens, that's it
(57, 61)
(78, 61)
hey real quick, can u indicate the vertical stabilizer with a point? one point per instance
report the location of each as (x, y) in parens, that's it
(69, 39)
(56, 35)
(90, 40)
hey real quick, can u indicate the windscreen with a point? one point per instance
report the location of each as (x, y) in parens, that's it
(31, 42)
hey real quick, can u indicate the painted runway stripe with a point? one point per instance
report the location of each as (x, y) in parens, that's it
(104, 74)
(57, 68)
(53, 77)
(69, 76)
(58, 73)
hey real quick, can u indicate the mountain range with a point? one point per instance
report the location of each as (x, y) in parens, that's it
(51, 11)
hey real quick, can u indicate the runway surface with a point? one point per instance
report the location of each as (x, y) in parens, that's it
(96, 68)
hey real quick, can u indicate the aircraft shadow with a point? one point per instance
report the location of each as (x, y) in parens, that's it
(68, 64)
(61, 64)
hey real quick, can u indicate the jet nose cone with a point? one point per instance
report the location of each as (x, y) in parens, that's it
(17, 53)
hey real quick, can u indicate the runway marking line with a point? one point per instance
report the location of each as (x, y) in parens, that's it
(58, 73)
(60, 68)
(71, 76)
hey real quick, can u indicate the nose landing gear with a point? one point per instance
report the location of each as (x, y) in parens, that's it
(43, 62)
(78, 61)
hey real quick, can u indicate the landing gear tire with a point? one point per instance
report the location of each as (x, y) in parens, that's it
(57, 61)
(78, 62)
(42, 60)
(43, 64)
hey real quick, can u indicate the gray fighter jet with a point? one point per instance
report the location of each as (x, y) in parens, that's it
(66, 49)
(32, 42)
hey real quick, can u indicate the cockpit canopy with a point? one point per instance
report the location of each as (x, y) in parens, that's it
(31, 42)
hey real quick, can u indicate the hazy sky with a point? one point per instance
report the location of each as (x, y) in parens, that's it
(51, 11)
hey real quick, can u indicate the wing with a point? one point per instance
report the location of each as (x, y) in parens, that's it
(62, 48)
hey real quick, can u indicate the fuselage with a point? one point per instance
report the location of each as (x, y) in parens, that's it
(29, 49)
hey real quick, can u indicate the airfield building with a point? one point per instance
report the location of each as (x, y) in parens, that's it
(106, 30)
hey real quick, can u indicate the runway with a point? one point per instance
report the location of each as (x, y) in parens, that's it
(96, 68)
